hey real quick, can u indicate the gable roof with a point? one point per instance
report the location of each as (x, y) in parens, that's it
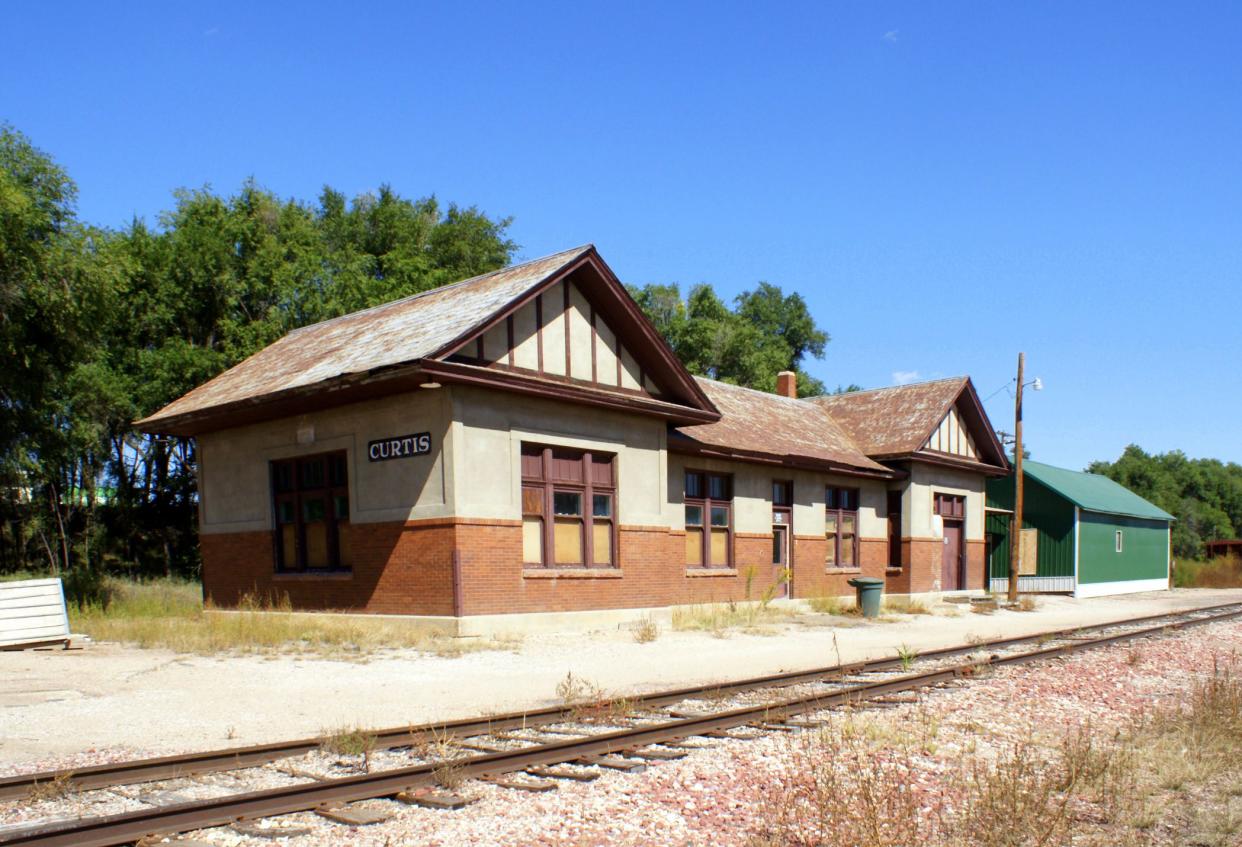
(375, 343)
(755, 424)
(896, 422)
(1094, 492)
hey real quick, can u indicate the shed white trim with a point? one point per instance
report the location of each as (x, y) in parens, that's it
(1126, 586)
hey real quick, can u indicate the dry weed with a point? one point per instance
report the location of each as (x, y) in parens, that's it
(170, 614)
(352, 741)
(646, 630)
(56, 788)
(905, 606)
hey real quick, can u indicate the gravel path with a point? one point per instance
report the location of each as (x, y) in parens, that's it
(718, 795)
(111, 701)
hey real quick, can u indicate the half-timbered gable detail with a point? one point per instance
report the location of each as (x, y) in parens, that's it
(560, 334)
(938, 420)
(562, 326)
(526, 441)
(952, 436)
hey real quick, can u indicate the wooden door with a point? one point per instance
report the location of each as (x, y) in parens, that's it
(781, 571)
(951, 564)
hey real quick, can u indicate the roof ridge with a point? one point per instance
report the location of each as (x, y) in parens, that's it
(960, 378)
(1061, 481)
(771, 394)
(440, 288)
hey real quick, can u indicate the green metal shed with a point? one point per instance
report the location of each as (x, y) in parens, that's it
(1085, 533)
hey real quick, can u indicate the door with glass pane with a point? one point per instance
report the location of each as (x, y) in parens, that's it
(781, 572)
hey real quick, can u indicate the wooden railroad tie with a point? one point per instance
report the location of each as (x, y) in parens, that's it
(564, 773)
(616, 763)
(655, 755)
(354, 815)
(518, 782)
(446, 800)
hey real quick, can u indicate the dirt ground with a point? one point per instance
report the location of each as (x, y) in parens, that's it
(109, 698)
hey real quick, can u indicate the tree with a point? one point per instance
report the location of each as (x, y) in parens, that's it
(99, 328)
(1205, 495)
(57, 283)
(766, 332)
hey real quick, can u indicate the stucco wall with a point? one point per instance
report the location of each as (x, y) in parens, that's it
(488, 431)
(752, 496)
(233, 463)
(918, 516)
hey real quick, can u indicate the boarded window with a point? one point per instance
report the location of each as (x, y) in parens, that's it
(1028, 563)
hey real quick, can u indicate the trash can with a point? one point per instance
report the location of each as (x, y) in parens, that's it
(869, 590)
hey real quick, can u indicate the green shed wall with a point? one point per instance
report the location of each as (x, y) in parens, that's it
(1051, 515)
(1145, 548)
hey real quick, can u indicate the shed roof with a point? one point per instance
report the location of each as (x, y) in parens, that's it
(404, 330)
(1094, 492)
(756, 422)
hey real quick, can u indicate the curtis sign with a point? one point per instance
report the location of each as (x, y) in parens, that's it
(399, 447)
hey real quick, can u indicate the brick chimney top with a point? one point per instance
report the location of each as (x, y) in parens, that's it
(787, 384)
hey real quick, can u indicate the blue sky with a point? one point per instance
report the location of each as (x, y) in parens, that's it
(946, 184)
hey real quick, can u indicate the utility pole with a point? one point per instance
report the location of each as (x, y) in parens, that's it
(1015, 525)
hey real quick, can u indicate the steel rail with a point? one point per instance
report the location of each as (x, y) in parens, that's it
(236, 758)
(129, 827)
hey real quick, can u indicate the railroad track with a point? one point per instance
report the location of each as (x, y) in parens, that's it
(584, 736)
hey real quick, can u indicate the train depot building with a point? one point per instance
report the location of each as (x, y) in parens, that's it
(526, 442)
(1082, 533)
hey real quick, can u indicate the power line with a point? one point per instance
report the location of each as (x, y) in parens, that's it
(999, 390)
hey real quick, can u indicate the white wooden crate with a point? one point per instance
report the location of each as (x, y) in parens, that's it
(32, 611)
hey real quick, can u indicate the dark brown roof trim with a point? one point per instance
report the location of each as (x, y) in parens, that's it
(686, 447)
(653, 352)
(577, 392)
(338, 391)
(978, 420)
(932, 457)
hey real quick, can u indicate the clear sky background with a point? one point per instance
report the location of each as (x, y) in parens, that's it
(946, 184)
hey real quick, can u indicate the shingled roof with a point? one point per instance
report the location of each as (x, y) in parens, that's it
(756, 423)
(893, 421)
(415, 327)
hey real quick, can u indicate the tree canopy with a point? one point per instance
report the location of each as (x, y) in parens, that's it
(1205, 495)
(100, 327)
(766, 332)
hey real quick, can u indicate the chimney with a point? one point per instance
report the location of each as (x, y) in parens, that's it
(787, 384)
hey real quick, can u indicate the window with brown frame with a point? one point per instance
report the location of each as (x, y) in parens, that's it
(841, 527)
(568, 508)
(949, 505)
(709, 519)
(310, 504)
(782, 519)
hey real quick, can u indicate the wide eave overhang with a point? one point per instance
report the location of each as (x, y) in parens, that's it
(689, 447)
(397, 379)
(944, 460)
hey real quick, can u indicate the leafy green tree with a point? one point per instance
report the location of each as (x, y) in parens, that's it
(99, 328)
(766, 332)
(1205, 495)
(58, 280)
